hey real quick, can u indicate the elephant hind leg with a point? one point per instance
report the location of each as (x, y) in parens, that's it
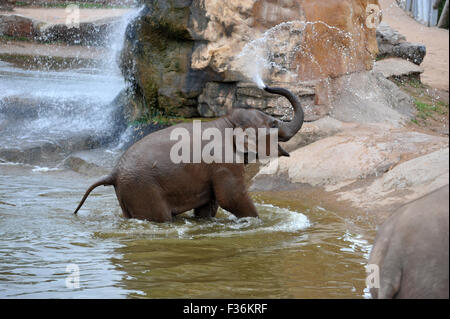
(208, 210)
(146, 204)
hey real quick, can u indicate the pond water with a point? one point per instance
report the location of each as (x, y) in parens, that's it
(291, 251)
(287, 253)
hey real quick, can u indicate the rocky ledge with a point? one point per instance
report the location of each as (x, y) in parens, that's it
(366, 167)
(54, 25)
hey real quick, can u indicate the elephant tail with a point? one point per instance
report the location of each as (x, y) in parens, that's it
(105, 181)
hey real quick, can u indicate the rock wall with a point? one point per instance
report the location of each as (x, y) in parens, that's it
(7, 5)
(185, 56)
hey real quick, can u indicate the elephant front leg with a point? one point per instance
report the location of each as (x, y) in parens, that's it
(240, 205)
(208, 210)
(232, 196)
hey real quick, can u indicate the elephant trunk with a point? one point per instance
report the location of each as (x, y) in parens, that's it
(288, 129)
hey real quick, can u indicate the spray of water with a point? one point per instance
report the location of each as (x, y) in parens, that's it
(267, 54)
(255, 61)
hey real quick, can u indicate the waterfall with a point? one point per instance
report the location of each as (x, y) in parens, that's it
(70, 109)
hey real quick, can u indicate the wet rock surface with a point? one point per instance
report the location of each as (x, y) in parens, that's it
(177, 52)
(17, 26)
(403, 183)
(92, 162)
(53, 25)
(219, 98)
(368, 97)
(7, 5)
(47, 152)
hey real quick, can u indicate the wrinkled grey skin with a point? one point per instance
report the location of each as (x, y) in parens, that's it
(412, 250)
(150, 186)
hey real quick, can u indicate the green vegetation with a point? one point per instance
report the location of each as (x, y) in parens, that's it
(46, 62)
(155, 117)
(415, 83)
(432, 109)
(158, 118)
(21, 4)
(425, 110)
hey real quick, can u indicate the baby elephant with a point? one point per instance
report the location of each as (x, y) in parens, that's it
(411, 250)
(150, 185)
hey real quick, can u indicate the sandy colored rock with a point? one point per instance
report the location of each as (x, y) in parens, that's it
(344, 46)
(346, 164)
(405, 182)
(314, 131)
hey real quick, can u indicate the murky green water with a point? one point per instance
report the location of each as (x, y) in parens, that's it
(310, 253)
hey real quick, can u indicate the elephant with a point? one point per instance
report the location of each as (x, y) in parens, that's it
(150, 186)
(411, 250)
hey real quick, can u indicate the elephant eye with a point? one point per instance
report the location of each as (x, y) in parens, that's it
(274, 124)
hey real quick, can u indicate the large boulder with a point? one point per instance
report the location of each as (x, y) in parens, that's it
(92, 33)
(180, 50)
(370, 167)
(93, 29)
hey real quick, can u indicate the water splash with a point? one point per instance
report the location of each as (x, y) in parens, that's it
(272, 220)
(265, 55)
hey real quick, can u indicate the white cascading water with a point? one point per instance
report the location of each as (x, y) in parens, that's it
(38, 105)
(257, 59)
